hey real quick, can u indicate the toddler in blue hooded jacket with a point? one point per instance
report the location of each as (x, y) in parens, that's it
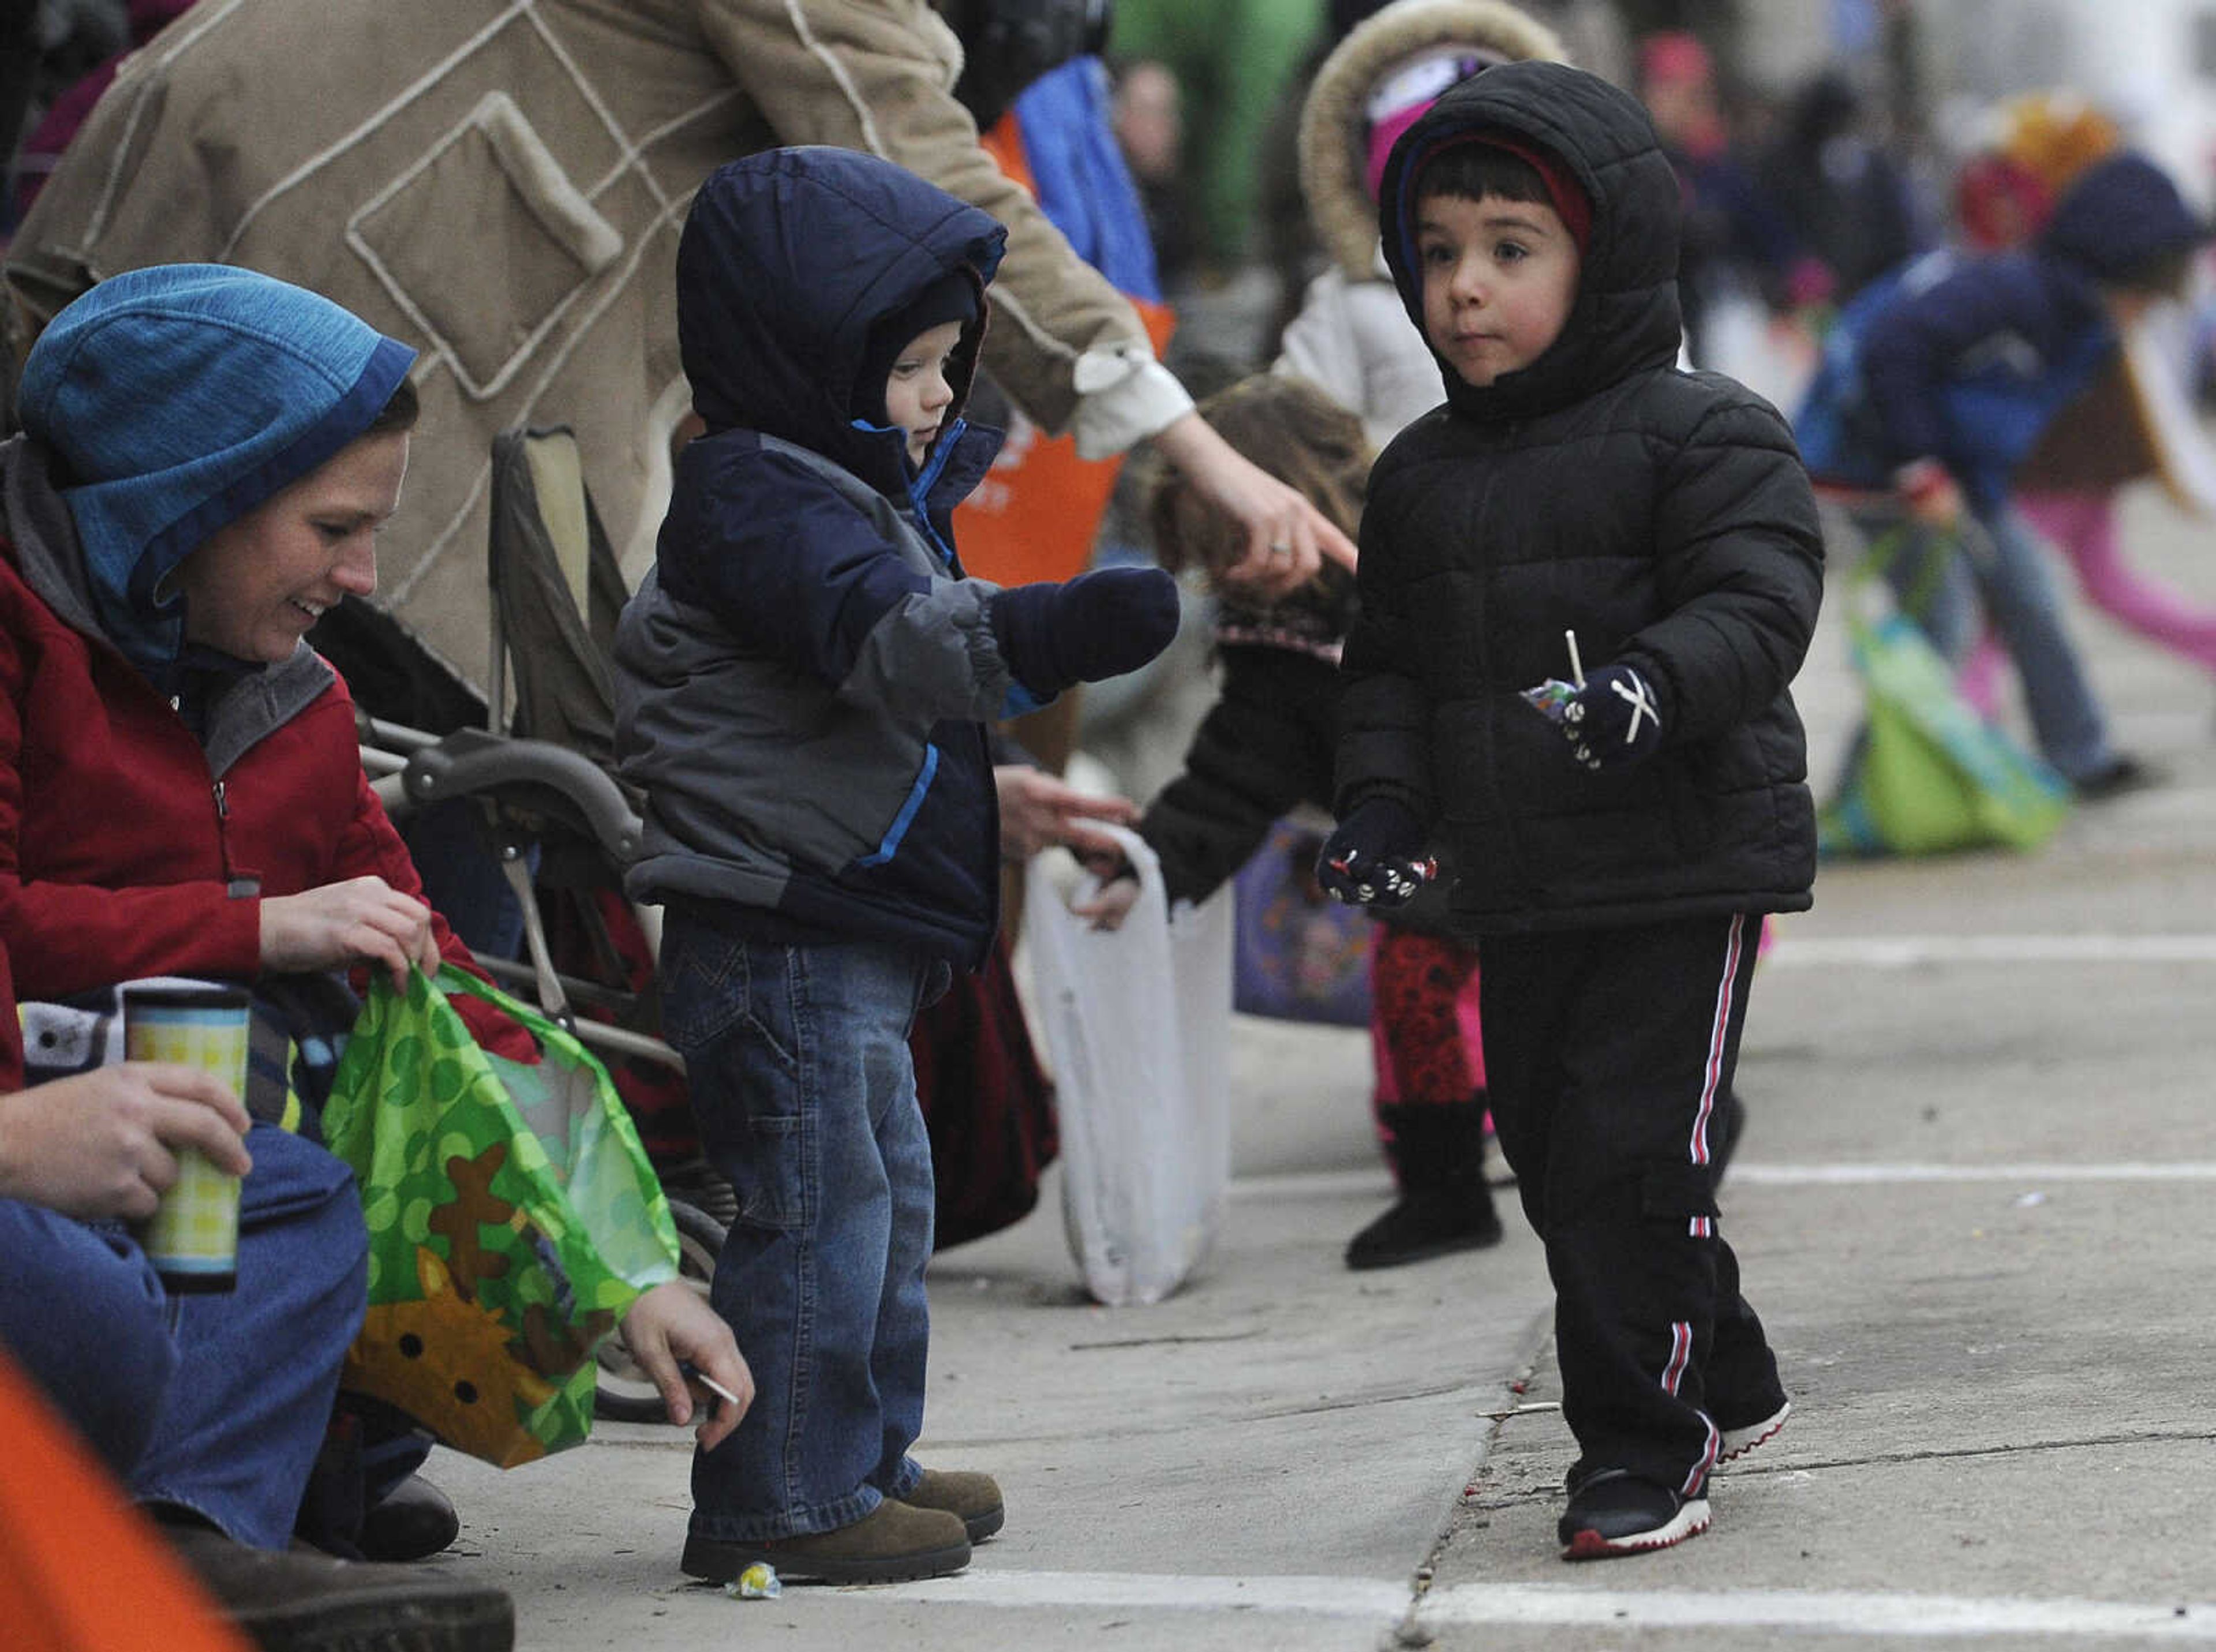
(802, 685)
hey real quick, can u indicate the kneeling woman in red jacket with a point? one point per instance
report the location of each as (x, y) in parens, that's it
(208, 454)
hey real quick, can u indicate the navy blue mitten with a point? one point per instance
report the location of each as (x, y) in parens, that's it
(1095, 626)
(1374, 858)
(1615, 720)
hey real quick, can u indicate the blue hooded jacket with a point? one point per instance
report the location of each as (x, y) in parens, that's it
(803, 678)
(1968, 359)
(173, 399)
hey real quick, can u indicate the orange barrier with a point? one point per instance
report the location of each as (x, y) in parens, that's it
(1034, 516)
(80, 1569)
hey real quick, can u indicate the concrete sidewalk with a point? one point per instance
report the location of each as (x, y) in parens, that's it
(1263, 1460)
(1973, 1206)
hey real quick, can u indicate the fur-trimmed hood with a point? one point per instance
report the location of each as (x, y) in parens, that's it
(1334, 127)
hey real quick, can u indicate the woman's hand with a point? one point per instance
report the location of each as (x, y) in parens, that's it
(364, 919)
(1286, 538)
(104, 1144)
(672, 1324)
(1038, 811)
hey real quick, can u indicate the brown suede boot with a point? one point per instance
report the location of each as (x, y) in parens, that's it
(894, 1543)
(288, 1600)
(975, 1498)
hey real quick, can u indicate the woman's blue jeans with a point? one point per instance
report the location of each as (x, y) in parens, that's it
(798, 1060)
(225, 1416)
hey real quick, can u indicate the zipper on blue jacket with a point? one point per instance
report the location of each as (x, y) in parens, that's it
(907, 815)
(919, 491)
(920, 485)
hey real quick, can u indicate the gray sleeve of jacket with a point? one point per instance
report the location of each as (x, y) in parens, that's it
(934, 651)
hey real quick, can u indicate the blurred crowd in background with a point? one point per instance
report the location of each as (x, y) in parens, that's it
(1820, 140)
(1820, 144)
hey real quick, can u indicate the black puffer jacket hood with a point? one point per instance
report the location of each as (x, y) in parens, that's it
(1660, 517)
(2118, 216)
(788, 259)
(1626, 317)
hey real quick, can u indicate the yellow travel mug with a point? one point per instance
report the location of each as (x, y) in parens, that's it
(192, 1239)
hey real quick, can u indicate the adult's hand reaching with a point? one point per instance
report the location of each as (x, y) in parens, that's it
(673, 1323)
(104, 1144)
(1286, 538)
(1038, 810)
(336, 925)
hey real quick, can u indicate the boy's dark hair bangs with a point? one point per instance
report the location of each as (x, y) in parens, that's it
(1471, 168)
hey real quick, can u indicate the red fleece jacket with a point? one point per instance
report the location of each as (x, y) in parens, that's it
(121, 853)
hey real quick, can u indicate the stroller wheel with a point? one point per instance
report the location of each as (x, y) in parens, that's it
(623, 1392)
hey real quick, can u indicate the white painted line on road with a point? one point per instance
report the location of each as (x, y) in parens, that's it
(1907, 951)
(1802, 1175)
(1315, 1184)
(1347, 1184)
(1836, 1612)
(1305, 1596)
(1811, 1611)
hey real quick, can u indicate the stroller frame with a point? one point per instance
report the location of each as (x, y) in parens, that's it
(546, 799)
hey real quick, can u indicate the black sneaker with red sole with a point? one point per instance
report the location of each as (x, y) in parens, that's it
(1613, 1513)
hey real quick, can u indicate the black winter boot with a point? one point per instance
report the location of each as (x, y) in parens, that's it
(1437, 1152)
(413, 1521)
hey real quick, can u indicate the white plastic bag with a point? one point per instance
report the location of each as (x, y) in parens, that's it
(1137, 1025)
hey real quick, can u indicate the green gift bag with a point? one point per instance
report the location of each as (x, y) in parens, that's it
(512, 1218)
(1929, 774)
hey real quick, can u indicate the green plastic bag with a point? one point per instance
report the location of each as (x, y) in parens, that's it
(1930, 775)
(512, 1218)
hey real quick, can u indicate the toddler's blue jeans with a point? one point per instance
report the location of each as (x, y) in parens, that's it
(798, 1060)
(224, 1417)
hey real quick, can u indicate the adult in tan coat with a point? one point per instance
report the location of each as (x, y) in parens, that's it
(501, 183)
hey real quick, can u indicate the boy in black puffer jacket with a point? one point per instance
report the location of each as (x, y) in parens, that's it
(1617, 836)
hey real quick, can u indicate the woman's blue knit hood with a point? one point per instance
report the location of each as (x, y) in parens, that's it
(177, 398)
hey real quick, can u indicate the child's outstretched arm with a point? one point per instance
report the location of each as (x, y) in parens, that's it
(1262, 750)
(821, 585)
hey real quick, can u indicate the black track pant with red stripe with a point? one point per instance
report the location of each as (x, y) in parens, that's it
(1607, 1051)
